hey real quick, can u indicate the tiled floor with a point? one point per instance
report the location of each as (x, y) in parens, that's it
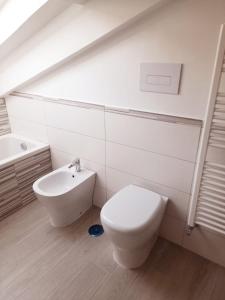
(39, 262)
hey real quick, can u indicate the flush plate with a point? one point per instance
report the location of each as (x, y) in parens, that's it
(160, 77)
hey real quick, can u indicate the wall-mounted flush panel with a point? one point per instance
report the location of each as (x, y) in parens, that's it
(160, 78)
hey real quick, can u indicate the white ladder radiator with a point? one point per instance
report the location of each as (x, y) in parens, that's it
(207, 206)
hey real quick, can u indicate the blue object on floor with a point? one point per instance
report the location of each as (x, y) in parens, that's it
(96, 230)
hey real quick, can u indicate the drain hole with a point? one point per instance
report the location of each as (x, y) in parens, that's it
(23, 146)
(96, 230)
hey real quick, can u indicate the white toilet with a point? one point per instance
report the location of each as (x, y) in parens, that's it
(131, 219)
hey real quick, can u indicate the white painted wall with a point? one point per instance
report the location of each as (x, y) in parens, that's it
(183, 31)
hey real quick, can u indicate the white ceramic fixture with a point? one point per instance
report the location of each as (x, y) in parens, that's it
(131, 219)
(65, 193)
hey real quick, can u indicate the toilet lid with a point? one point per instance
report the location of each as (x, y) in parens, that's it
(131, 208)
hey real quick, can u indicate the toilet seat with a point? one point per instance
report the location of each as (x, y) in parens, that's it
(131, 209)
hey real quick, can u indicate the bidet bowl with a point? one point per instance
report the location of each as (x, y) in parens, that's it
(66, 194)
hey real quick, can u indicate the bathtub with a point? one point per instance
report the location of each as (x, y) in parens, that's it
(22, 161)
(14, 148)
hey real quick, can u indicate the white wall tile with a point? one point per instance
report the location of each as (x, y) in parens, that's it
(172, 229)
(178, 201)
(60, 159)
(206, 243)
(99, 197)
(99, 169)
(26, 109)
(86, 121)
(154, 167)
(77, 145)
(28, 129)
(170, 139)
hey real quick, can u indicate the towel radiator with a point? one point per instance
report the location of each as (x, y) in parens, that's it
(207, 206)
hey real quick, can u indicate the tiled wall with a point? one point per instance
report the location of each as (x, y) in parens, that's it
(4, 121)
(124, 149)
(121, 148)
(17, 180)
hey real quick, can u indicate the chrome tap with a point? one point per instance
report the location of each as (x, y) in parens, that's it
(75, 163)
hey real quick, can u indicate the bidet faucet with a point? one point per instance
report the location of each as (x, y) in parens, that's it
(75, 163)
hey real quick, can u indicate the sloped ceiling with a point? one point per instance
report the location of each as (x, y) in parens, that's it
(73, 31)
(32, 23)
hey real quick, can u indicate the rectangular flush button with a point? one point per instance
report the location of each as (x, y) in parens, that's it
(160, 78)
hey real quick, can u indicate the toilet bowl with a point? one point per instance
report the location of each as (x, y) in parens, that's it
(66, 194)
(131, 219)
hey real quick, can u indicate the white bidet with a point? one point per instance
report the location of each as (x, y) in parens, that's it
(66, 194)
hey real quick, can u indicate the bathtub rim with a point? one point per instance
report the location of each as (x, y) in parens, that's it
(39, 147)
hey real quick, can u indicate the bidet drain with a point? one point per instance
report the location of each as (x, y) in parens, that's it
(96, 230)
